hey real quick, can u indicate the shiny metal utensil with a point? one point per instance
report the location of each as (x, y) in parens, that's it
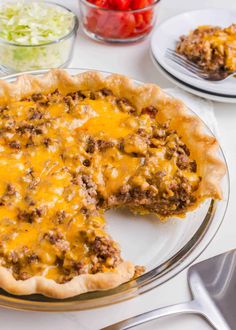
(194, 68)
(213, 286)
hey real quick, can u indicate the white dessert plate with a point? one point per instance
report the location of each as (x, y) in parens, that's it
(196, 91)
(167, 34)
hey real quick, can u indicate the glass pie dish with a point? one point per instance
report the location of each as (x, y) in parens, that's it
(164, 248)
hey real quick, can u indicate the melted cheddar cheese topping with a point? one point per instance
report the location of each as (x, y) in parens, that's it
(64, 160)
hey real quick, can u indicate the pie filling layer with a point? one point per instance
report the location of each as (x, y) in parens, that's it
(64, 161)
(213, 48)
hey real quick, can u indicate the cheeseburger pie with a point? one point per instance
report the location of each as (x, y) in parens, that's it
(72, 147)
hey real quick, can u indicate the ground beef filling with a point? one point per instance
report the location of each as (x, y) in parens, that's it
(70, 158)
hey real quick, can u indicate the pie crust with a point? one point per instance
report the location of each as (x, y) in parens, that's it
(204, 149)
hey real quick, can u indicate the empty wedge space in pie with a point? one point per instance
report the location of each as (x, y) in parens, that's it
(73, 147)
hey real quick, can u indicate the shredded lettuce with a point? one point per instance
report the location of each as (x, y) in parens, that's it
(33, 24)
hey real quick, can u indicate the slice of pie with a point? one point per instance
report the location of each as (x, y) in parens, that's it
(73, 147)
(211, 47)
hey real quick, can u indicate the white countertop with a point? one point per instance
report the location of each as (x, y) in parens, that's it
(133, 60)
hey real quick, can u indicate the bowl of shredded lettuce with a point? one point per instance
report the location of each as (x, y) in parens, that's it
(35, 35)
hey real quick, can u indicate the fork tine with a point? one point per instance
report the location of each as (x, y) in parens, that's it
(185, 61)
(187, 64)
(190, 69)
(180, 61)
(194, 68)
(172, 52)
(183, 65)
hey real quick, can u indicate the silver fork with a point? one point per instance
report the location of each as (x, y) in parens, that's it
(195, 69)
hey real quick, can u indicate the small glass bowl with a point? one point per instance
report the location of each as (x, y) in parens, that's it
(120, 26)
(55, 54)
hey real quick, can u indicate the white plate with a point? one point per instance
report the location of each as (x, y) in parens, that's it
(168, 33)
(190, 88)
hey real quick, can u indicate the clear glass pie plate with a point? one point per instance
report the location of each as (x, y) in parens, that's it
(164, 248)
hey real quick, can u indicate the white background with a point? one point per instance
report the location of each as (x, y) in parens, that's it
(134, 60)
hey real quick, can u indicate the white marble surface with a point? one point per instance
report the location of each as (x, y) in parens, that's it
(134, 61)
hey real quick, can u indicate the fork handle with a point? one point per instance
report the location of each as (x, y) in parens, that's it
(188, 307)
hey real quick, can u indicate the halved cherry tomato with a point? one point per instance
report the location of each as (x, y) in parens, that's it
(102, 3)
(127, 25)
(120, 4)
(138, 4)
(148, 15)
(116, 25)
(91, 22)
(143, 20)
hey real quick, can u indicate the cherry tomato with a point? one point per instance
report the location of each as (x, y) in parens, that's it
(148, 15)
(139, 22)
(127, 25)
(102, 3)
(117, 25)
(120, 4)
(91, 20)
(137, 4)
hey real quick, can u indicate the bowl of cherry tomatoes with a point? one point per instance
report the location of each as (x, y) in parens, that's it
(118, 20)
